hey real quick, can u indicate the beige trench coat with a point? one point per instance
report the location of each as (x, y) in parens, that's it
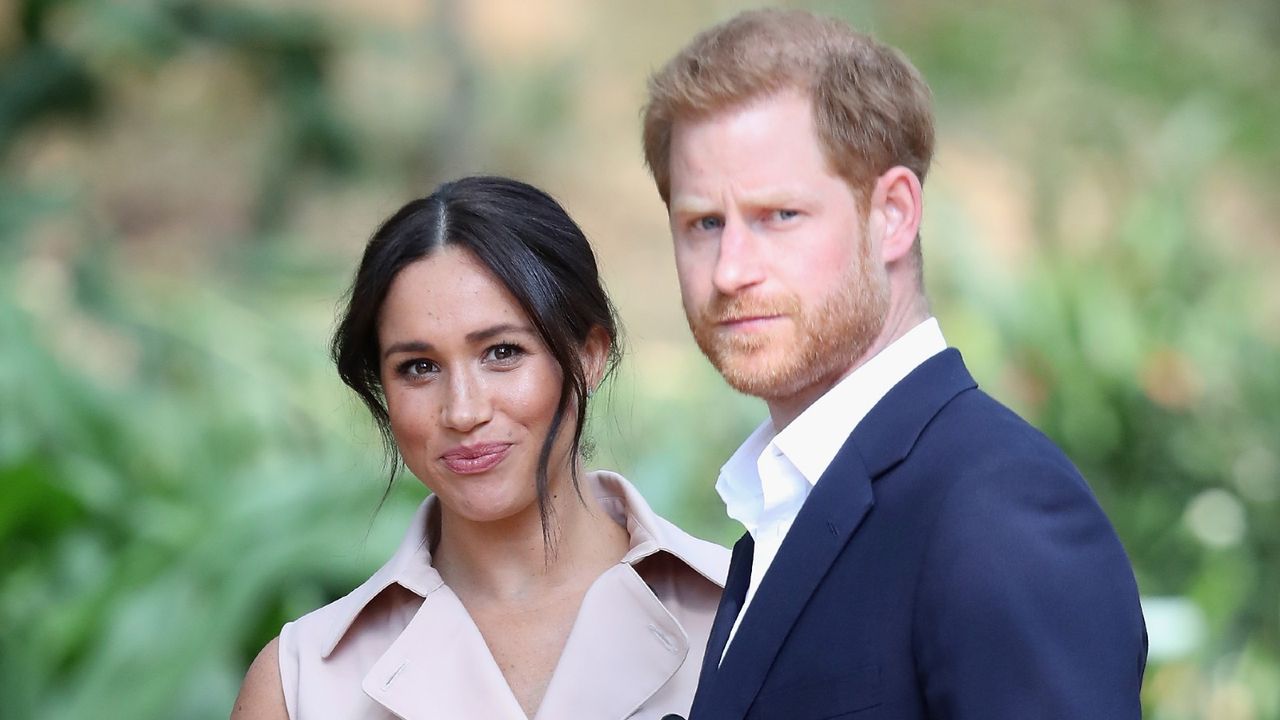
(402, 645)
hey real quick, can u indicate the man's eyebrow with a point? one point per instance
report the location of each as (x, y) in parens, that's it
(691, 205)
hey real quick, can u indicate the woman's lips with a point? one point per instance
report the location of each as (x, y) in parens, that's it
(473, 459)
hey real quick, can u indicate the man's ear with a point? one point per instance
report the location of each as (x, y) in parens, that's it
(896, 208)
(595, 357)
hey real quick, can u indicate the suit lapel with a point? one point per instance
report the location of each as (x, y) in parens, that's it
(829, 517)
(827, 521)
(886, 436)
(735, 592)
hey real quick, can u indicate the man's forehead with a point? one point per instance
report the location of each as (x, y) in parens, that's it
(726, 108)
(746, 115)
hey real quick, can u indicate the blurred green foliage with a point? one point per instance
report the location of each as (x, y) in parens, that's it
(184, 187)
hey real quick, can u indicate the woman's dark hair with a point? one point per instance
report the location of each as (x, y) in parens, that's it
(532, 246)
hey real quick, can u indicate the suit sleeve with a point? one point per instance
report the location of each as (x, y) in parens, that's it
(1027, 606)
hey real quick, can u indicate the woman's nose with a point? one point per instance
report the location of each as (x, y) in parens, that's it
(467, 406)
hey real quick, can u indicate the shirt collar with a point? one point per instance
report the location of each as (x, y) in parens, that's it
(812, 440)
(739, 483)
(411, 568)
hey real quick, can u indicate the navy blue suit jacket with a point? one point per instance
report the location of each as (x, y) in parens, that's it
(950, 563)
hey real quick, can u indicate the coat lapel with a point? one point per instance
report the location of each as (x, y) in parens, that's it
(439, 666)
(623, 648)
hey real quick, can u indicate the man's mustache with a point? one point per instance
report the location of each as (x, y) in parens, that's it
(727, 308)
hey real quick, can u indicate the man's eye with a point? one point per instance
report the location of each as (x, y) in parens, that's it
(786, 214)
(708, 223)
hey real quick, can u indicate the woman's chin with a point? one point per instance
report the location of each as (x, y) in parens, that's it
(490, 507)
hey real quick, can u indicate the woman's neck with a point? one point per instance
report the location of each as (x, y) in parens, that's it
(508, 560)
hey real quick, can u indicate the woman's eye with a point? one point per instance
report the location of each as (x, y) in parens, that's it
(505, 352)
(417, 368)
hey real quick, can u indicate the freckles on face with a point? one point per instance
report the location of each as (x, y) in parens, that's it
(470, 387)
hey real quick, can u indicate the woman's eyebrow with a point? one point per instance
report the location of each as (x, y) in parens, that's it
(475, 336)
(495, 330)
(416, 346)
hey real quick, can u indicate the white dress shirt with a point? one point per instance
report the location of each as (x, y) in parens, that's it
(766, 481)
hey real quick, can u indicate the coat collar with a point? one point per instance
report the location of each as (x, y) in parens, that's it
(411, 568)
(624, 647)
(651, 533)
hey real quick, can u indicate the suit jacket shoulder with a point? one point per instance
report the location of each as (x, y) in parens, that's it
(952, 563)
(1023, 581)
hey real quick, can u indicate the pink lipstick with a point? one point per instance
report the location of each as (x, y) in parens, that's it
(473, 459)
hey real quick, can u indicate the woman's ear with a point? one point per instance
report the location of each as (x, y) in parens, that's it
(595, 357)
(896, 201)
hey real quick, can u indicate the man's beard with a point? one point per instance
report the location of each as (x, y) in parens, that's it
(826, 342)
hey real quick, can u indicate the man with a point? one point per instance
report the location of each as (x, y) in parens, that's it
(914, 549)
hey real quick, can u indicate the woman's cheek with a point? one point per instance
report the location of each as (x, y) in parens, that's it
(411, 420)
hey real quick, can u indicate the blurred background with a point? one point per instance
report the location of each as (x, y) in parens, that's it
(186, 185)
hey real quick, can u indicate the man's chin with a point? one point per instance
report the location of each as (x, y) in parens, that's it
(757, 376)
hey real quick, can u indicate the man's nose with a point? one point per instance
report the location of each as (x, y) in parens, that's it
(739, 262)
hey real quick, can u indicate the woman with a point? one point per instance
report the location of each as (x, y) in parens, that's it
(476, 332)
